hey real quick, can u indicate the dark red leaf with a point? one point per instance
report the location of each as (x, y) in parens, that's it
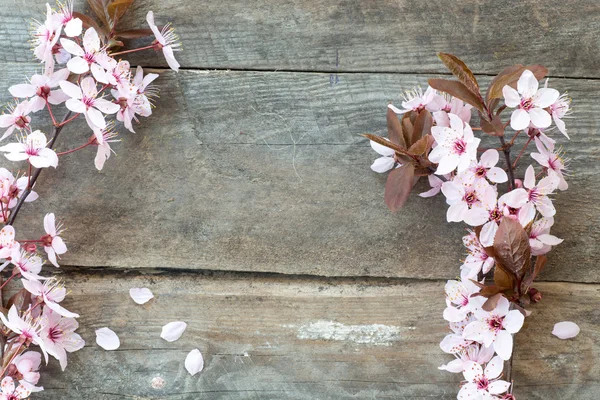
(422, 127)
(399, 185)
(461, 71)
(494, 128)
(492, 302)
(138, 33)
(458, 90)
(395, 128)
(511, 245)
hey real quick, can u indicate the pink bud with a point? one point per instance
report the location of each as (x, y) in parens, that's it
(518, 183)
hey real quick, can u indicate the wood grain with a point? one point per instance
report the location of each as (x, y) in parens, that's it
(253, 334)
(355, 35)
(213, 180)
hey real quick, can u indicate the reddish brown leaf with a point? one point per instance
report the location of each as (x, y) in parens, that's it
(140, 33)
(540, 263)
(99, 7)
(510, 76)
(461, 71)
(21, 300)
(422, 127)
(407, 128)
(398, 186)
(458, 90)
(494, 128)
(395, 129)
(422, 146)
(511, 245)
(503, 278)
(89, 22)
(492, 302)
(117, 8)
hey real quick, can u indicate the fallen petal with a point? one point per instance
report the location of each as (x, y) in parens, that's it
(173, 331)
(140, 295)
(194, 362)
(107, 339)
(566, 330)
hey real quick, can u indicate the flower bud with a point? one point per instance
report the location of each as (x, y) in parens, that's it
(535, 295)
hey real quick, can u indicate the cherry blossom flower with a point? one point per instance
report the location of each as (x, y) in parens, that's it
(39, 90)
(485, 169)
(450, 105)
(7, 241)
(11, 189)
(540, 240)
(28, 365)
(457, 147)
(454, 342)
(173, 330)
(565, 330)
(474, 352)
(461, 199)
(477, 260)
(436, 186)
(458, 299)
(51, 292)
(91, 57)
(58, 335)
(53, 243)
(530, 102)
(166, 40)
(483, 384)
(103, 139)
(118, 73)
(9, 392)
(107, 339)
(415, 100)
(33, 149)
(16, 119)
(27, 264)
(536, 194)
(495, 327)
(72, 26)
(45, 36)
(194, 362)
(560, 109)
(27, 329)
(386, 161)
(552, 161)
(84, 100)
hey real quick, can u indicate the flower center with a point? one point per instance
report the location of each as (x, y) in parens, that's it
(21, 122)
(483, 383)
(88, 101)
(89, 57)
(480, 171)
(527, 104)
(460, 146)
(43, 92)
(55, 334)
(496, 215)
(470, 198)
(534, 195)
(495, 323)
(46, 240)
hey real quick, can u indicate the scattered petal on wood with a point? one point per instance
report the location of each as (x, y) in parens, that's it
(566, 330)
(194, 362)
(107, 339)
(173, 331)
(140, 295)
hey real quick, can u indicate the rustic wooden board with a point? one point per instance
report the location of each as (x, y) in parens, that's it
(275, 338)
(356, 35)
(213, 180)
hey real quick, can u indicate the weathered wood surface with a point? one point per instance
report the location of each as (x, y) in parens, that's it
(295, 338)
(213, 180)
(357, 35)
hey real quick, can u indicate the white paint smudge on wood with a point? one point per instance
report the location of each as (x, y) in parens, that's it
(375, 334)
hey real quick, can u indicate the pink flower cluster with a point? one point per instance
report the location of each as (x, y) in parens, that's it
(81, 73)
(470, 179)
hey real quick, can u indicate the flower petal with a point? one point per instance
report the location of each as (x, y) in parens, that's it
(173, 331)
(545, 97)
(494, 368)
(566, 330)
(527, 84)
(140, 295)
(511, 97)
(107, 339)
(194, 362)
(519, 119)
(540, 118)
(503, 344)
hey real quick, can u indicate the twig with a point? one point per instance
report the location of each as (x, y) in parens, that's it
(511, 174)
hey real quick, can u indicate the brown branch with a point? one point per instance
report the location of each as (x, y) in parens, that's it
(511, 173)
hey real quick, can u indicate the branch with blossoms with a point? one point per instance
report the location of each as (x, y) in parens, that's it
(80, 78)
(509, 216)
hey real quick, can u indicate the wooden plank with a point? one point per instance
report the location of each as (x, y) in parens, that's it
(213, 180)
(280, 338)
(356, 35)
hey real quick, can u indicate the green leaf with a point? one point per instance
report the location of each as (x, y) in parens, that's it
(460, 91)
(461, 71)
(398, 186)
(512, 248)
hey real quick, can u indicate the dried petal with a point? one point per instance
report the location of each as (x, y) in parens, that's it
(107, 339)
(173, 331)
(194, 362)
(140, 295)
(566, 330)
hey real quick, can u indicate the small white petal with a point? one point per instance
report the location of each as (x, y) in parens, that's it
(566, 330)
(140, 295)
(107, 339)
(194, 362)
(173, 331)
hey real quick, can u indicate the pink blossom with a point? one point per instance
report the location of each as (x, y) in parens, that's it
(51, 292)
(474, 352)
(461, 198)
(450, 105)
(17, 119)
(536, 194)
(415, 100)
(530, 102)
(559, 110)
(11, 189)
(59, 337)
(166, 39)
(72, 26)
(118, 73)
(53, 243)
(27, 329)
(33, 149)
(495, 327)
(83, 100)
(45, 36)
(477, 260)
(436, 186)
(7, 241)
(10, 393)
(27, 264)
(39, 90)
(28, 365)
(483, 384)
(103, 139)
(91, 57)
(146, 92)
(458, 299)
(540, 239)
(457, 147)
(454, 342)
(552, 161)
(485, 169)
(386, 161)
